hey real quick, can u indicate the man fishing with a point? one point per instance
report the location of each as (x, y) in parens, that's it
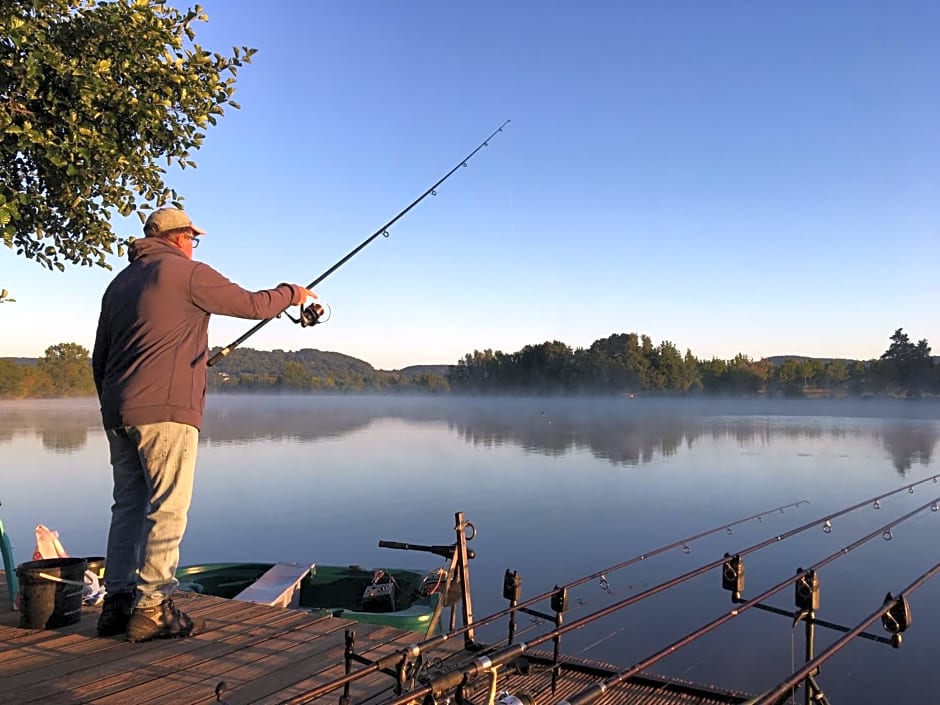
(149, 365)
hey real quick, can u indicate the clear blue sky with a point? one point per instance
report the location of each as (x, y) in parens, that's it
(734, 177)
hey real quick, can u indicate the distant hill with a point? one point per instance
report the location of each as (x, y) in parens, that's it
(780, 359)
(316, 362)
(22, 360)
(320, 363)
(413, 371)
(271, 362)
(246, 369)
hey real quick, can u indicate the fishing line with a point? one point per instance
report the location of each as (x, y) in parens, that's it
(601, 640)
(311, 315)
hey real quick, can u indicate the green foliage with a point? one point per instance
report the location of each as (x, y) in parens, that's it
(430, 382)
(93, 96)
(308, 370)
(68, 367)
(11, 378)
(64, 354)
(64, 371)
(628, 363)
(909, 368)
(294, 376)
(621, 364)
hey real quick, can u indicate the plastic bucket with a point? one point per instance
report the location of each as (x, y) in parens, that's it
(51, 592)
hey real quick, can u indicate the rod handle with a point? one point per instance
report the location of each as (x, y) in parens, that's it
(218, 356)
(444, 551)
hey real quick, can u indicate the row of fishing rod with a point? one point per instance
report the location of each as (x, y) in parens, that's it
(894, 613)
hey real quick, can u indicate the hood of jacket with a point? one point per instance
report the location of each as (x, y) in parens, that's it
(146, 246)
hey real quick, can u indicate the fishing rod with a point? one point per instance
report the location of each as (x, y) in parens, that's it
(895, 615)
(417, 649)
(311, 315)
(448, 681)
(593, 692)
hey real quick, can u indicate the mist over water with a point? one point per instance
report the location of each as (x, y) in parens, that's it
(624, 431)
(558, 489)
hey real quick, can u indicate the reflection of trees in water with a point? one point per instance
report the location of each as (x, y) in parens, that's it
(61, 425)
(638, 443)
(908, 445)
(64, 426)
(622, 441)
(624, 433)
(250, 424)
(65, 438)
(637, 439)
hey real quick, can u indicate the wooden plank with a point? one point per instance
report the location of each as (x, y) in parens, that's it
(114, 666)
(281, 666)
(270, 684)
(57, 648)
(333, 670)
(209, 665)
(13, 638)
(85, 661)
(150, 663)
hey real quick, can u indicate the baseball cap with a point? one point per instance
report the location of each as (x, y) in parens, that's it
(169, 218)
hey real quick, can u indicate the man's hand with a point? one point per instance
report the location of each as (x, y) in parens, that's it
(303, 293)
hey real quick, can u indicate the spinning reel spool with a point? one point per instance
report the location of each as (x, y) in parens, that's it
(309, 315)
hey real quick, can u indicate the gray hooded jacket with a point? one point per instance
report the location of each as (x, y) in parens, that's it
(151, 347)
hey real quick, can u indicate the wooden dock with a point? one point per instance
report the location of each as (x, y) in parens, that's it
(263, 654)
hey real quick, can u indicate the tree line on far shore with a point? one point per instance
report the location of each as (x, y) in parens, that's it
(621, 364)
(627, 363)
(63, 371)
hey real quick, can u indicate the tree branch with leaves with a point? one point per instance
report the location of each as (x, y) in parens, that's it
(94, 98)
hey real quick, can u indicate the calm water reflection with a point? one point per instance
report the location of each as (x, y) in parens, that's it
(558, 489)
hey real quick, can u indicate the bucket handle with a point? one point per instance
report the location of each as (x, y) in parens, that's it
(57, 579)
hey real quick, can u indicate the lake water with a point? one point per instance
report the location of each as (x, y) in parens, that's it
(557, 489)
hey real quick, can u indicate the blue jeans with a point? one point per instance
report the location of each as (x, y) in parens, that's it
(153, 466)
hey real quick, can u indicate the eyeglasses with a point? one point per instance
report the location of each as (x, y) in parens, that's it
(193, 239)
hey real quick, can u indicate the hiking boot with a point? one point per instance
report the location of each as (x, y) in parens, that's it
(115, 613)
(161, 622)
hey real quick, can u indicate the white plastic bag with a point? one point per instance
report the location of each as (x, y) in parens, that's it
(48, 544)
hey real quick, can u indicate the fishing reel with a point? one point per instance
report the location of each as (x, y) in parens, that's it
(309, 315)
(521, 698)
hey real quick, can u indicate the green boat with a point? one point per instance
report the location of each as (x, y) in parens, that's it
(405, 599)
